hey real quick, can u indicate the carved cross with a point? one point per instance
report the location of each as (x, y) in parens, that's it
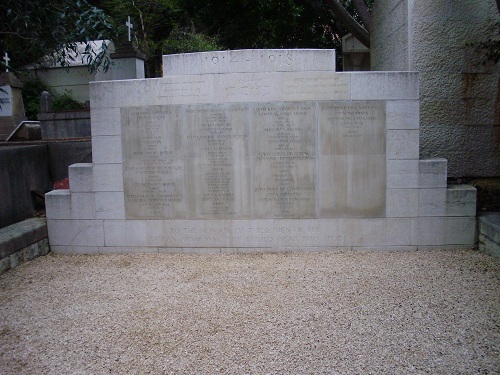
(6, 59)
(130, 26)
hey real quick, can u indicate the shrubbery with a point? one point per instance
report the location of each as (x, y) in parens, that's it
(32, 90)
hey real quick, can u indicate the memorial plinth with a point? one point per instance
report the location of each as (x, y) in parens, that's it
(259, 150)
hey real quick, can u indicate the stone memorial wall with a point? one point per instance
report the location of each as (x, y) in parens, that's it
(258, 150)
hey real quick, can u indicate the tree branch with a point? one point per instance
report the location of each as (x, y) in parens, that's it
(16, 34)
(363, 13)
(348, 22)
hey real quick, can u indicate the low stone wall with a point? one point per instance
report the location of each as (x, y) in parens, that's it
(22, 242)
(489, 233)
(60, 125)
(34, 166)
(23, 169)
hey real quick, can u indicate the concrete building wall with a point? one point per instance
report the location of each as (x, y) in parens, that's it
(389, 44)
(460, 104)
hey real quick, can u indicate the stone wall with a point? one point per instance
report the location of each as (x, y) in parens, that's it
(261, 150)
(23, 169)
(389, 36)
(459, 96)
(22, 242)
(34, 167)
(67, 124)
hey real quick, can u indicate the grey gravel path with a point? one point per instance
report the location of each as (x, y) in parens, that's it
(433, 312)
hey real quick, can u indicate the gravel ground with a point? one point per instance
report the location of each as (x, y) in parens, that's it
(431, 312)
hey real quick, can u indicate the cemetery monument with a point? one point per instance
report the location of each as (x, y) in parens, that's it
(258, 150)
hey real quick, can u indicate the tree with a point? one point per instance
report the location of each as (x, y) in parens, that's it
(32, 29)
(160, 26)
(262, 23)
(347, 16)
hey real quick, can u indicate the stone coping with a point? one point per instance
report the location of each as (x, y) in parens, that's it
(489, 233)
(20, 235)
(489, 225)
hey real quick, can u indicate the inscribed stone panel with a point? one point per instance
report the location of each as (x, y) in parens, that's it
(353, 163)
(153, 173)
(284, 171)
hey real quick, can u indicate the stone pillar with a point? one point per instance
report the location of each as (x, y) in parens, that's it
(128, 64)
(45, 102)
(11, 102)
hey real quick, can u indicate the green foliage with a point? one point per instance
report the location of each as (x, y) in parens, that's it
(261, 23)
(32, 29)
(181, 41)
(65, 102)
(153, 22)
(32, 91)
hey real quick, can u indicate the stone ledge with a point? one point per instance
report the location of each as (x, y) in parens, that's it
(18, 236)
(22, 242)
(489, 233)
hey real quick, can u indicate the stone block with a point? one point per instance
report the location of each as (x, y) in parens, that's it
(115, 94)
(402, 114)
(247, 61)
(43, 247)
(489, 225)
(189, 250)
(402, 203)
(16, 259)
(61, 204)
(432, 202)
(105, 121)
(17, 236)
(124, 233)
(109, 205)
(384, 86)
(183, 90)
(315, 86)
(385, 248)
(82, 206)
(402, 174)
(461, 200)
(106, 149)
(432, 173)
(217, 233)
(309, 233)
(81, 177)
(30, 252)
(127, 250)
(403, 144)
(444, 247)
(75, 232)
(4, 265)
(251, 233)
(487, 246)
(375, 232)
(74, 250)
(58, 204)
(443, 231)
(107, 177)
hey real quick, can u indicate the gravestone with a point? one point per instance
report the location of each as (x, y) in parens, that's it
(258, 150)
(11, 103)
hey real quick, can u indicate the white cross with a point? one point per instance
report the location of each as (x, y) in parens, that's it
(6, 59)
(129, 26)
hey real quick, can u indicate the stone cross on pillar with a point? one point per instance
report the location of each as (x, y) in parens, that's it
(129, 26)
(6, 59)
